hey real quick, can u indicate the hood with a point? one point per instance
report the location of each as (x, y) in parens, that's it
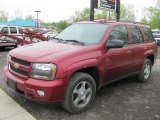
(44, 51)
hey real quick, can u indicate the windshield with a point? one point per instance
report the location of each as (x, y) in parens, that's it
(86, 33)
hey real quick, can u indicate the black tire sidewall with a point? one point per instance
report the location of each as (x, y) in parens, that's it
(141, 76)
(73, 83)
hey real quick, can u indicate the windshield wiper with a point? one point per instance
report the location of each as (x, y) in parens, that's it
(82, 43)
(59, 39)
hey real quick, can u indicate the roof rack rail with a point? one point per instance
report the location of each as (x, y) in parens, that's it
(105, 20)
(114, 20)
(129, 21)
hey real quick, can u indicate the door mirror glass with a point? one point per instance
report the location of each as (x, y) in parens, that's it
(115, 43)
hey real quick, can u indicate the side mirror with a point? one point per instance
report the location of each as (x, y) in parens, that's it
(115, 43)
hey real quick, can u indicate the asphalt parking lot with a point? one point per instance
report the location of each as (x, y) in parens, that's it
(123, 100)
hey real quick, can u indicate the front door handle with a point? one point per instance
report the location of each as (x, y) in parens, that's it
(129, 52)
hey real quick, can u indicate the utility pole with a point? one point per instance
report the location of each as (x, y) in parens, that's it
(118, 10)
(92, 10)
(37, 11)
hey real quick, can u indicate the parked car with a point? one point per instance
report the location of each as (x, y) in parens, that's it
(157, 38)
(70, 68)
(11, 30)
(50, 34)
(155, 31)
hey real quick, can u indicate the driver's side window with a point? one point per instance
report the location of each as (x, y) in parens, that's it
(119, 33)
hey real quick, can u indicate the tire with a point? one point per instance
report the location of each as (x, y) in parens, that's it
(80, 93)
(145, 74)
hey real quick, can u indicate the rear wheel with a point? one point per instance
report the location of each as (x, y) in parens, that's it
(146, 71)
(80, 93)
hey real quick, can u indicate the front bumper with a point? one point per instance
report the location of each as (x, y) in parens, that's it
(54, 90)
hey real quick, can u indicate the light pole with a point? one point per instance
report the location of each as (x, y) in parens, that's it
(37, 11)
(92, 10)
(118, 9)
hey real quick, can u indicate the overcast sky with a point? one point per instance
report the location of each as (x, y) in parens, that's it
(55, 10)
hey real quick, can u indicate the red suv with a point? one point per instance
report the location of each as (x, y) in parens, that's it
(72, 66)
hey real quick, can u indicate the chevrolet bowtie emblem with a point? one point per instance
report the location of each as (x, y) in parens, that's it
(16, 65)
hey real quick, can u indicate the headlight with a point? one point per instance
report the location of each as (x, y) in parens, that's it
(44, 71)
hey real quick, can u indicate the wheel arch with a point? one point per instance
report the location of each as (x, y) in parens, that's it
(89, 66)
(151, 58)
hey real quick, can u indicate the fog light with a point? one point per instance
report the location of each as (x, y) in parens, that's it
(40, 93)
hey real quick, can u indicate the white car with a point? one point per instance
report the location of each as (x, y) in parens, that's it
(155, 31)
(157, 38)
(11, 30)
(50, 34)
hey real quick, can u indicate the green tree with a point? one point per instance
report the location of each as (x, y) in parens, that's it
(127, 13)
(51, 25)
(152, 15)
(101, 14)
(61, 25)
(144, 20)
(29, 17)
(3, 16)
(80, 15)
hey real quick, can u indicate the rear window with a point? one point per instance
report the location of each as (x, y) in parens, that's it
(149, 35)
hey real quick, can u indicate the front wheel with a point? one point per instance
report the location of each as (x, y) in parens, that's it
(80, 93)
(146, 71)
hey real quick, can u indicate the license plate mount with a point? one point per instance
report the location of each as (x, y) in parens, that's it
(12, 84)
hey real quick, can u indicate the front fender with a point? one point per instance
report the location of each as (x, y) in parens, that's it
(149, 52)
(80, 65)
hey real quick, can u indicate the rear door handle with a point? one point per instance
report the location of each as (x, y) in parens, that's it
(145, 48)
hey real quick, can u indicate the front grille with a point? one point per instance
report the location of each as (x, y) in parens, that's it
(21, 72)
(22, 62)
(22, 69)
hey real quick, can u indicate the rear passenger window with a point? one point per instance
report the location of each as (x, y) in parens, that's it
(13, 30)
(136, 35)
(148, 34)
(119, 32)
